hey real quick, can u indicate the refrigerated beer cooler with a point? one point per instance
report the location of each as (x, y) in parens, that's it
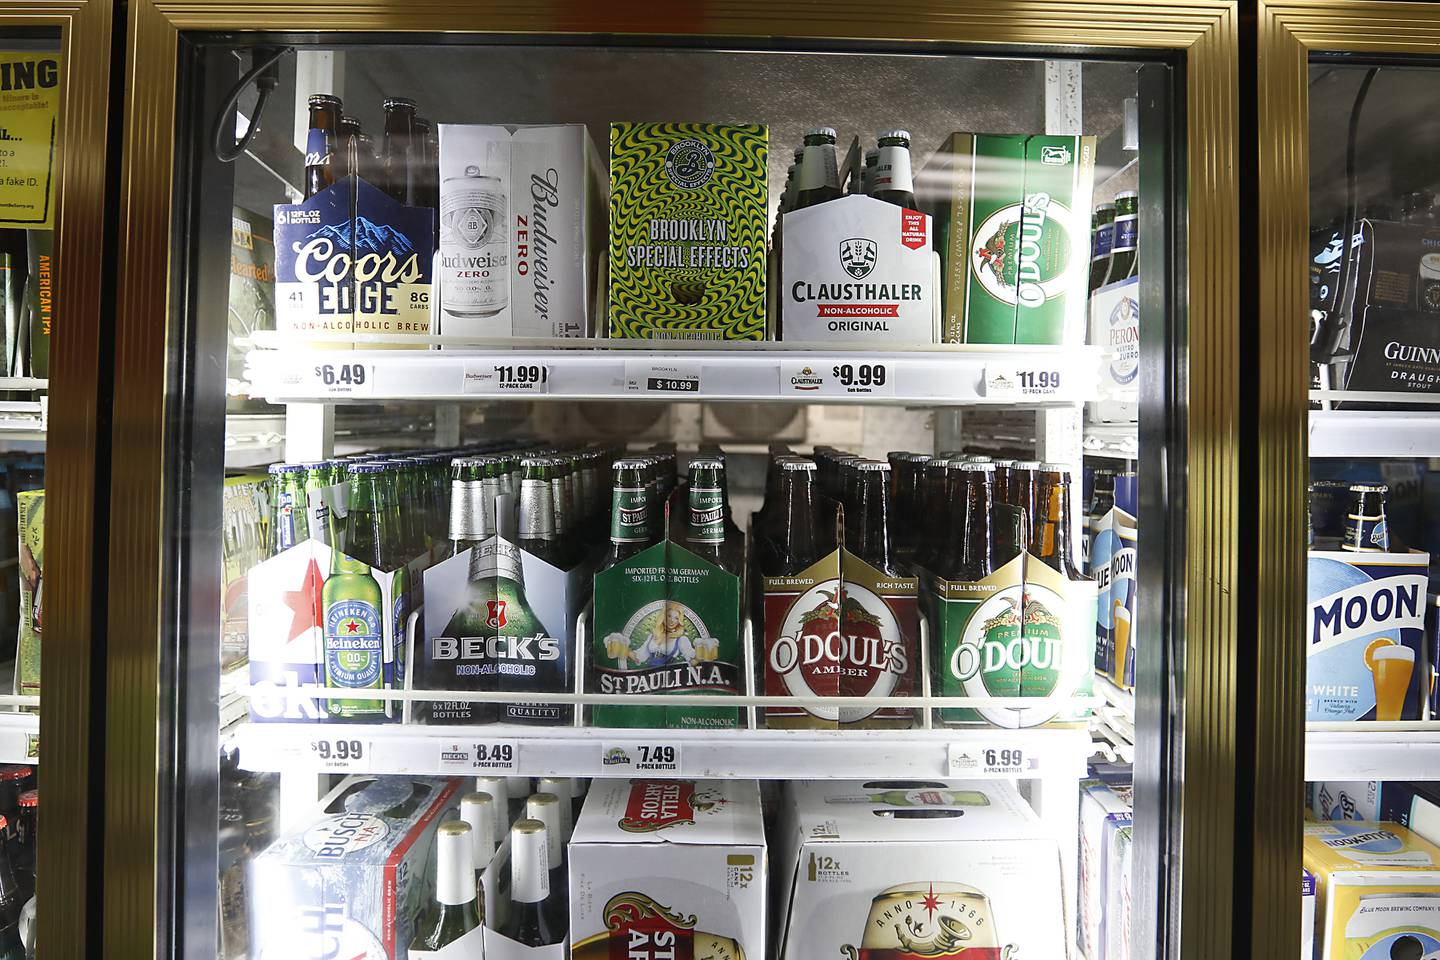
(633, 481)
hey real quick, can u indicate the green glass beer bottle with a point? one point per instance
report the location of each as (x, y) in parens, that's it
(289, 518)
(354, 643)
(317, 479)
(705, 522)
(629, 512)
(1124, 256)
(537, 510)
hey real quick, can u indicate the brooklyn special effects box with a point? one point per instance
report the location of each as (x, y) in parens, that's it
(858, 875)
(668, 869)
(689, 230)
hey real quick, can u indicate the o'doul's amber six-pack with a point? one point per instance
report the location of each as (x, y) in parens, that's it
(689, 211)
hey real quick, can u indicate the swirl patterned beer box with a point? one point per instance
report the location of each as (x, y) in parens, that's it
(689, 223)
(667, 869)
(1365, 635)
(356, 879)
(1379, 890)
(940, 869)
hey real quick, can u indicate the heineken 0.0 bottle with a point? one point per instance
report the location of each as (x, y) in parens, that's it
(354, 643)
(289, 522)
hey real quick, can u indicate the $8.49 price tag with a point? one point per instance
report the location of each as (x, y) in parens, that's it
(821, 378)
(506, 378)
(337, 753)
(341, 379)
(1009, 382)
(649, 757)
(992, 759)
(479, 756)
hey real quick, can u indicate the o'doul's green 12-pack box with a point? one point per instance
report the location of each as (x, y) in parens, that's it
(689, 221)
(1023, 631)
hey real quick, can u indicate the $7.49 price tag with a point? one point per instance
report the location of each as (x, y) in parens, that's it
(1010, 382)
(340, 379)
(992, 759)
(650, 756)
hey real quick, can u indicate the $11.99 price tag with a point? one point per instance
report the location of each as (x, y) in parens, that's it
(338, 753)
(648, 757)
(342, 379)
(1004, 382)
(992, 759)
(502, 378)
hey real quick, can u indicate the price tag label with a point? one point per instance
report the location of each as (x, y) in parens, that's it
(490, 378)
(645, 376)
(818, 378)
(337, 753)
(341, 379)
(479, 756)
(1009, 382)
(648, 757)
(992, 759)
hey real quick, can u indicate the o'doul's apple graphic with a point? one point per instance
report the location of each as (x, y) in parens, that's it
(840, 640)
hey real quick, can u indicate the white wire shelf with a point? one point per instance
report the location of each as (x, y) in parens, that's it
(1015, 376)
(1403, 750)
(1120, 441)
(1375, 433)
(1058, 752)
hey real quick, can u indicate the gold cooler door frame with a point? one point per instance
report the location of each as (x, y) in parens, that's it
(1287, 33)
(68, 880)
(1199, 35)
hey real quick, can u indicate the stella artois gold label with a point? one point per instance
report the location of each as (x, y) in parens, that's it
(638, 927)
(658, 804)
(928, 920)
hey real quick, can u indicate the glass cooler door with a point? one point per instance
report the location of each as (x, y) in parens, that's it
(625, 492)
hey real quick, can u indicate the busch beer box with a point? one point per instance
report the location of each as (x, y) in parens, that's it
(666, 621)
(1023, 631)
(689, 230)
(1115, 328)
(840, 628)
(858, 268)
(1379, 890)
(667, 869)
(356, 880)
(1012, 221)
(500, 619)
(353, 260)
(1365, 635)
(916, 869)
(522, 222)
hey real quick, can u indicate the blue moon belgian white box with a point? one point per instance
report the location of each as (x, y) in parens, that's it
(1365, 635)
(356, 879)
(1379, 890)
(976, 876)
(858, 268)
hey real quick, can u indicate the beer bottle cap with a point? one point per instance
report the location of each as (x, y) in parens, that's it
(707, 463)
(1025, 465)
(1055, 467)
(977, 466)
(1369, 488)
(30, 798)
(399, 103)
(15, 771)
(528, 826)
(828, 132)
(350, 124)
(315, 465)
(1100, 207)
(798, 464)
(919, 458)
(279, 468)
(324, 100)
(1004, 463)
(871, 466)
(1127, 195)
(980, 458)
(371, 467)
(899, 135)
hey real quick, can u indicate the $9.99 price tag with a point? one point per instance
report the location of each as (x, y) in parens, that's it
(650, 757)
(338, 753)
(831, 378)
(992, 759)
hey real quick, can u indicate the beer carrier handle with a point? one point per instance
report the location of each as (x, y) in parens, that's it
(582, 657)
(412, 625)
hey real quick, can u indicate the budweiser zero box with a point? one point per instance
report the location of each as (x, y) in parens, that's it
(1023, 631)
(500, 619)
(973, 874)
(858, 268)
(30, 513)
(840, 628)
(1104, 808)
(1011, 221)
(1379, 890)
(1115, 328)
(689, 224)
(665, 869)
(355, 881)
(1365, 635)
(666, 621)
(352, 260)
(522, 223)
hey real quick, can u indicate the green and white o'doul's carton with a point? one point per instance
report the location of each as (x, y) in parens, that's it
(689, 227)
(667, 621)
(1023, 631)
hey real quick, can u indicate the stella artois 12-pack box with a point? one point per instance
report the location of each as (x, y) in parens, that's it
(357, 878)
(669, 869)
(840, 628)
(667, 621)
(858, 268)
(904, 869)
(352, 260)
(1012, 221)
(1365, 635)
(1379, 890)
(1023, 631)
(522, 224)
(689, 228)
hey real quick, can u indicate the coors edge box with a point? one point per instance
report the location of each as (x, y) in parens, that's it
(666, 869)
(975, 876)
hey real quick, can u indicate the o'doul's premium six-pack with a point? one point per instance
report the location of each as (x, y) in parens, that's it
(689, 223)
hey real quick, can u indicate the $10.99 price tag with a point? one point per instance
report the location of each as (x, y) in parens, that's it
(504, 378)
(338, 753)
(645, 376)
(992, 759)
(341, 379)
(650, 757)
(1003, 382)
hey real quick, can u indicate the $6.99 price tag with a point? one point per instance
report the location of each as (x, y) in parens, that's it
(992, 759)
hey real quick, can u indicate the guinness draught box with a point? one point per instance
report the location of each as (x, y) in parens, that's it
(858, 268)
(669, 869)
(689, 224)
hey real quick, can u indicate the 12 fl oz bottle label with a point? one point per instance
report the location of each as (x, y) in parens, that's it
(992, 759)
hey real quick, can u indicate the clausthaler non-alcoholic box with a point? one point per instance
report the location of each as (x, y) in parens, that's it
(915, 869)
(1379, 890)
(668, 869)
(689, 226)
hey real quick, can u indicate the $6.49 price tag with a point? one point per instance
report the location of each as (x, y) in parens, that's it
(341, 379)
(992, 759)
